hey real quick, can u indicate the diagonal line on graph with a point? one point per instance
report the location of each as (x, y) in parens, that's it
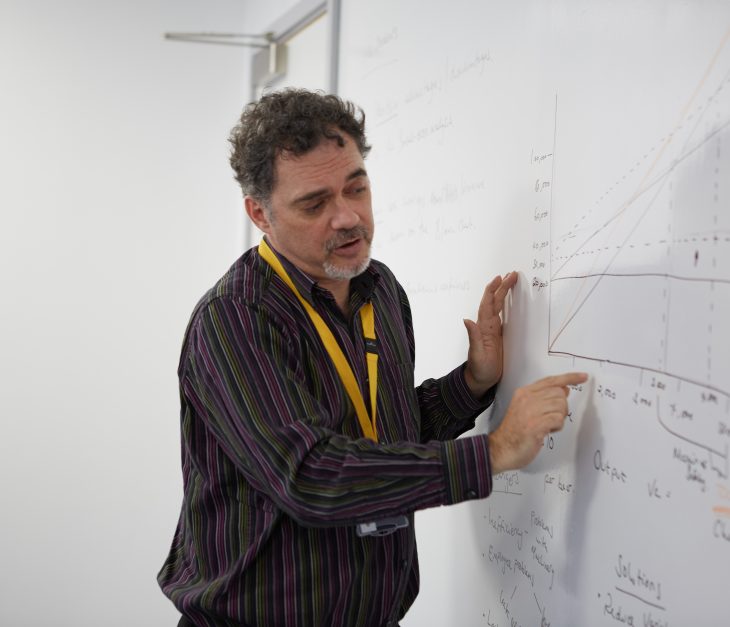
(659, 179)
(662, 179)
(683, 154)
(648, 173)
(576, 309)
(687, 107)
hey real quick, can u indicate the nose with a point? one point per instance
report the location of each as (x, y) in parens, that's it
(345, 215)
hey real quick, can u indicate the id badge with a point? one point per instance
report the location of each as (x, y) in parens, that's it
(382, 527)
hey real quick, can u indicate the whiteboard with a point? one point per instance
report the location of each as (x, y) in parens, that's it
(586, 145)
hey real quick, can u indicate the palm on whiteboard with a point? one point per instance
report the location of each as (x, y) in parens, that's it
(485, 356)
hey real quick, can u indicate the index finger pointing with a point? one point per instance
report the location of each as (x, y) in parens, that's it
(563, 380)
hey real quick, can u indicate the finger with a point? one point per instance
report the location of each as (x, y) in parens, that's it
(551, 422)
(501, 291)
(540, 394)
(508, 282)
(487, 304)
(494, 296)
(561, 380)
(554, 406)
(557, 428)
(555, 422)
(475, 335)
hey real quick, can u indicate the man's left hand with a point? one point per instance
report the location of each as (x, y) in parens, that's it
(484, 361)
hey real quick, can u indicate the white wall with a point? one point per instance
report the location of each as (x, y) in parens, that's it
(117, 211)
(261, 15)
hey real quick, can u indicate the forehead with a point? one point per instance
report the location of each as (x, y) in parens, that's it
(325, 166)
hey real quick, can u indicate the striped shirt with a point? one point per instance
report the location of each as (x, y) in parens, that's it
(276, 471)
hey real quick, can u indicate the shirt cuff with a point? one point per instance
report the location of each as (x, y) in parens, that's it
(458, 396)
(468, 472)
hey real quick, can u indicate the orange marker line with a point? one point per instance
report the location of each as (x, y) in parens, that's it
(719, 509)
(572, 310)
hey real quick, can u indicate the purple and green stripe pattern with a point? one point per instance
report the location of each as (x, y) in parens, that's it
(276, 473)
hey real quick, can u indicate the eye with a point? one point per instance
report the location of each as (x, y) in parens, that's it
(315, 208)
(360, 189)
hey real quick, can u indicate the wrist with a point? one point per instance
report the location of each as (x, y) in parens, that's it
(477, 389)
(496, 455)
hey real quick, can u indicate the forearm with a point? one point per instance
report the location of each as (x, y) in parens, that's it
(448, 405)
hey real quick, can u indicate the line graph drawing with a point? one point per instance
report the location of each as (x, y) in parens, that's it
(642, 278)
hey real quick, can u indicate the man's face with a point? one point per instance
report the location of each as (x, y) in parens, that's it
(321, 215)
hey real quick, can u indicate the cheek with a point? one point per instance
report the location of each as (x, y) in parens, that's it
(316, 238)
(366, 212)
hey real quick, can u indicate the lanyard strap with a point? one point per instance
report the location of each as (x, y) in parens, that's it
(367, 316)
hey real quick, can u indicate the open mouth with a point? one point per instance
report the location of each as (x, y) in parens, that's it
(348, 242)
(349, 245)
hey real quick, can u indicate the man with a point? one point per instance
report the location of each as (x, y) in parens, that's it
(305, 446)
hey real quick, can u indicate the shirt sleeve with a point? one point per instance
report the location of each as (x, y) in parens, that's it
(240, 376)
(448, 408)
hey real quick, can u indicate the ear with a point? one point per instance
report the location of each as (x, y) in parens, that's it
(257, 213)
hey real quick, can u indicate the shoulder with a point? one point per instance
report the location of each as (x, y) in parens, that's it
(246, 282)
(388, 283)
(247, 279)
(384, 275)
(245, 309)
(243, 288)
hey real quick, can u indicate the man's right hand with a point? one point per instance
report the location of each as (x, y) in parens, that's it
(535, 411)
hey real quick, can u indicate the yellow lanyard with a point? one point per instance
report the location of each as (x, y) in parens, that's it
(367, 316)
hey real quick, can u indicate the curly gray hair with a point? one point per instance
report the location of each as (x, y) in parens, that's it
(293, 121)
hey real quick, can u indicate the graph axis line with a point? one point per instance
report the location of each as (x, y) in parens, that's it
(614, 362)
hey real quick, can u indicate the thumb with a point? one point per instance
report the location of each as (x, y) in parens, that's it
(475, 335)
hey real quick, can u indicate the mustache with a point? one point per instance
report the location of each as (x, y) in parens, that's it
(347, 235)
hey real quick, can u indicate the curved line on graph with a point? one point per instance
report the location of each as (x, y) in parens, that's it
(681, 437)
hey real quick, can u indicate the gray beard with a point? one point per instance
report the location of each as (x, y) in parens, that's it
(340, 273)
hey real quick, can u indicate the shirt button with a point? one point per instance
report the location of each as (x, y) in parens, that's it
(470, 494)
(404, 564)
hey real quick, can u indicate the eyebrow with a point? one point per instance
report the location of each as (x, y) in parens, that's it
(317, 193)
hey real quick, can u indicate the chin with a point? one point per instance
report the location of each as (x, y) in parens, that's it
(346, 272)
